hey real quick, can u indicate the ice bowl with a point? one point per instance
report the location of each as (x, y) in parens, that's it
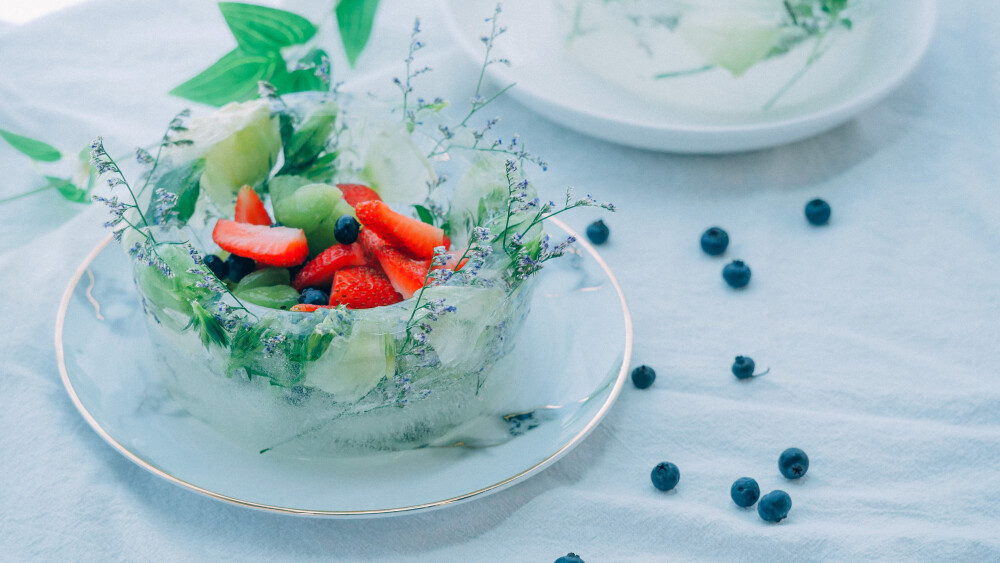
(334, 381)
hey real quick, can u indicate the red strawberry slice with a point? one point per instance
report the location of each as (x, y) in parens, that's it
(250, 209)
(307, 307)
(319, 271)
(406, 274)
(415, 237)
(273, 246)
(356, 193)
(362, 287)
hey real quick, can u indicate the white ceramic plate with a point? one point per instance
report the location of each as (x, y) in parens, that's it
(601, 91)
(577, 339)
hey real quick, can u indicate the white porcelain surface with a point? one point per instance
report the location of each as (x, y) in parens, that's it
(575, 346)
(549, 81)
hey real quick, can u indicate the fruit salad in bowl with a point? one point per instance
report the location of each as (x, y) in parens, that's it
(313, 283)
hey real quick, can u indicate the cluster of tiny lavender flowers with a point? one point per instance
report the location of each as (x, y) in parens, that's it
(480, 247)
(419, 328)
(208, 279)
(163, 205)
(145, 253)
(526, 265)
(271, 343)
(406, 87)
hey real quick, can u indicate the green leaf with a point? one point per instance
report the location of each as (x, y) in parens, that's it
(305, 145)
(209, 329)
(425, 215)
(304, 79)
(68, 189)
(834, 6)
(355, 19)
(233, 78)
(259, 29)
(183, 182)
(36, 150)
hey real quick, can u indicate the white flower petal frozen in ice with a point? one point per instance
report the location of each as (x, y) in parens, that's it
(455, 333)
(240, 144)
(395, 167)
(733, 35)
(352, 366)
(483, 181)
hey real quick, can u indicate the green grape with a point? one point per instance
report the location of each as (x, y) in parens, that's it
(272, 296)
(263, 278)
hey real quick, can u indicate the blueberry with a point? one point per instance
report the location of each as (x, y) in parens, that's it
(743, 367)
(569, 558)
(793, 463)
(736, 274)
(818, 212)
(745, 492)
(313, 296)
(598, 232)
(218, 266)
(714, 241)
(665, 476)
(643, 376)
(346, 229)
(277, 224)
(774, 506)
(239, 267)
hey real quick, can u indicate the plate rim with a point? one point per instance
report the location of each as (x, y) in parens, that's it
(575, 440)
(928, 18)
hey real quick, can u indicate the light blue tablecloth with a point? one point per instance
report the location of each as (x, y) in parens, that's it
(881, 330)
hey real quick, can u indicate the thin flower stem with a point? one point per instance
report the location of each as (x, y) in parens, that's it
(27, 193)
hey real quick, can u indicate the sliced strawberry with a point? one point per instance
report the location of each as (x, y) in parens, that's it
(274, 246)
(250, 209)
(307, 308)
(356, 193)
(406, 274)
(362, 287)
(319, 271)
(413, 236)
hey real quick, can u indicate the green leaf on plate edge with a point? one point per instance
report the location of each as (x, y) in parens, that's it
(36, 150)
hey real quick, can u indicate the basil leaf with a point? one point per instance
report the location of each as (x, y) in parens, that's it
(36, 150)
(259, 29)
(424, 214)
(183, 182)
(233, 78)
(355, 19)
(309, 140)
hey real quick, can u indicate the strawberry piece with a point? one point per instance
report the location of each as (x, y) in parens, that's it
(250, 209)
(362, 287)
(356, 193)
(415, 237)
(319, 271)
(406, 274)
(307, 307)
(273, 246)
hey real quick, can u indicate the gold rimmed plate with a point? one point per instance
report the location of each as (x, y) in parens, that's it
(575, 344)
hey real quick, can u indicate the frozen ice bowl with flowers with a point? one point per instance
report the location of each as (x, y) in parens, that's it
(245, 211)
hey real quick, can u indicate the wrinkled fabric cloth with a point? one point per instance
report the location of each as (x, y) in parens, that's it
(881, 329)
